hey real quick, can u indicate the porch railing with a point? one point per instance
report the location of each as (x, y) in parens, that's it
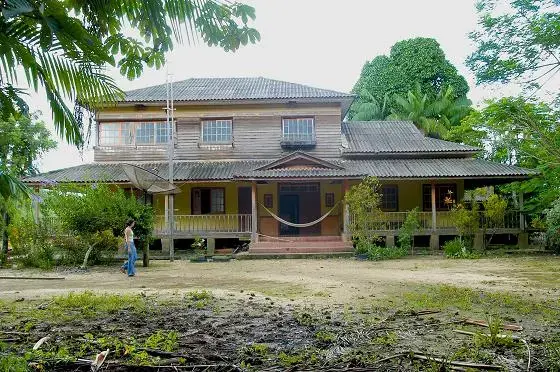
(391, 221)
(206, 223)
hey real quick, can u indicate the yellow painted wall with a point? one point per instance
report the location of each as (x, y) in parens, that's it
(182, 201)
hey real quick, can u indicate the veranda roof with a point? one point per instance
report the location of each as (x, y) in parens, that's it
(389, 169)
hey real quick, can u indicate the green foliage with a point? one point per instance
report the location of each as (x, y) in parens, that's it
(495, 337)
(363, 201)
(433, 115)
(13, 363)
(519, 132)
(377, 253)
(32, 243)
(466, 219)
(64, 46)
(516, 41)
(495, 208)
(389, 338)
(90, 304)
(405, 237)
(456, 248)
(198, 299)
(367, 107)
(23, 141)
(553, 225)
(163, 340)
(93, 219)
(325, 338)
(410, 62)
(199, 243)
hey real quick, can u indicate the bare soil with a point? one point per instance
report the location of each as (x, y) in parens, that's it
(275, 315)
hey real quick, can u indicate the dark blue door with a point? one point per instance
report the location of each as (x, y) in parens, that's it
(289, 211)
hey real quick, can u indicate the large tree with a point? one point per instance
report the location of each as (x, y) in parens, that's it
(517, 41)
(519, 132)
(65, 46)
(22, 141)
(410, 62)
(433, 115)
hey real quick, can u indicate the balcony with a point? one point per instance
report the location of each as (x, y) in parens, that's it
(205, 225)
(298, 140)
(390, 222)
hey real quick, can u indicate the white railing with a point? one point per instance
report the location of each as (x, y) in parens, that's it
(206, 223)
(391, 221)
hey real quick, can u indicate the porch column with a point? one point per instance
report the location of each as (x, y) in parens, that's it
(254, 225)
(346, 213)
(523, 236)
(434, 238)
(165, 246)
(434, 219)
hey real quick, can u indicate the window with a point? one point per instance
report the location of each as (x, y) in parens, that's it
(390, 198)
(268, 201)
(329, 199)
(217, 131)
(298, 130)
(208, 201)
(442, 191)
(135, 133)
(115, 134)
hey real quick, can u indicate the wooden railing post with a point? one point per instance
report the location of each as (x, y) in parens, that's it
(254, 234)
(434, 238)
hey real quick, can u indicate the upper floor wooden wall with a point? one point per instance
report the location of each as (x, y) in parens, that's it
(257, 131)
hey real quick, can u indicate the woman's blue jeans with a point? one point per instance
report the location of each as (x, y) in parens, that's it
(132, 256)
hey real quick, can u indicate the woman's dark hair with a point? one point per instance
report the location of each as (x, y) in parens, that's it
(129, 222)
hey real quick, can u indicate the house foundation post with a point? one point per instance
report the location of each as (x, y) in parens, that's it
(434, 237)
(254, 225)
(390, 241)
(166, 242)
(478, 244)
(345, 213)
(210, 246)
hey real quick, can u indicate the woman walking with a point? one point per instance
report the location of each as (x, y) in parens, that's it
(128, 266)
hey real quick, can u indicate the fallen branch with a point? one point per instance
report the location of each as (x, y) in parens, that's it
(489, 367)
(487, 335)
(482, 323)
(528, 354)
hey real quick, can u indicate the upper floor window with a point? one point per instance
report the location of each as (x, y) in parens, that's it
(217, 131)
(133, 133)
(298, 130)
(390, 198)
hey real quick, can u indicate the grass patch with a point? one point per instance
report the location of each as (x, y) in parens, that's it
(446, 297)
(198, 299)
(89, 304)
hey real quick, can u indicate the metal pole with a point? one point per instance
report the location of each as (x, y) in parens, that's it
(171, 147)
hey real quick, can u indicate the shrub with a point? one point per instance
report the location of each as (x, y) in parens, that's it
(363, 201)
(457, 248)
(411, 223)
(553, 225)
(32, 244)
(377, 253)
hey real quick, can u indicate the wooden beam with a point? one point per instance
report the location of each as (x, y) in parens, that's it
(254, 226)
(434, 207)
(521, 216)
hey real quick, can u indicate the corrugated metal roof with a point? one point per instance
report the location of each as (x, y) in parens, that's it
(247, 169)
(221, 89)
(391, 137)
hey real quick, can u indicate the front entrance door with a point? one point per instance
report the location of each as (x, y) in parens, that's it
(289, 211)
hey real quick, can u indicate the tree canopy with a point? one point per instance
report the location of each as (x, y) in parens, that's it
(410, 62)
(517, 41)
(516, 131)
(23, 141)
(66, 45)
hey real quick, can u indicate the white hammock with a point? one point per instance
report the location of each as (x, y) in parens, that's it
(307, 224)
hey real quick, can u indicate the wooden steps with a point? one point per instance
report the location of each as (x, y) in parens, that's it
(300, 244)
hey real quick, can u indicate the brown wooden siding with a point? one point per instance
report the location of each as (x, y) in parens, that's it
(256, 135)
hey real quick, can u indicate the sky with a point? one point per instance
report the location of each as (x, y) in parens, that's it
(314, 42)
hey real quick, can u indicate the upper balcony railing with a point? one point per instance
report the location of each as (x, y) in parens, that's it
(298, 140)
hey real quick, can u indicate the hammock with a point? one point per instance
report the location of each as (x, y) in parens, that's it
(307, 224)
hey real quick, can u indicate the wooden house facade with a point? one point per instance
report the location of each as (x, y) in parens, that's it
(250, 153)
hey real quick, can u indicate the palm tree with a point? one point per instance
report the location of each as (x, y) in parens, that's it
(11, 186)
(64, 46)
(368, 108)
(433, 116)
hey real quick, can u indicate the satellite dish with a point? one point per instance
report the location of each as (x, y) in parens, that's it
(149, 181)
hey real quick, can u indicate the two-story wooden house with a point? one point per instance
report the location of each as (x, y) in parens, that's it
(252, 152)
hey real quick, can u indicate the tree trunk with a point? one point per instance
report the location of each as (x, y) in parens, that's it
(145, 253)
(4, 247)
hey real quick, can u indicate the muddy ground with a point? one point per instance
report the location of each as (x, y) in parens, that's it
(287, 315)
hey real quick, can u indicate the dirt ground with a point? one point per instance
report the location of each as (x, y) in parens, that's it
(329, 281)
(287, 315)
